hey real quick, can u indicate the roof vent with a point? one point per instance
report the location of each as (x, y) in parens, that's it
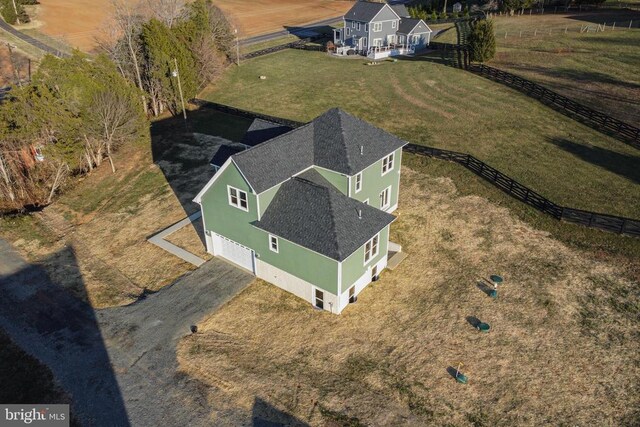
(359, 213)
(361, 150)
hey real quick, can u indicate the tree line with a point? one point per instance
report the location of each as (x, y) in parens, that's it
(77, 111)
(13, 11)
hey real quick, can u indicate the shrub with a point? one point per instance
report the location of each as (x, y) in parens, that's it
(443, 15)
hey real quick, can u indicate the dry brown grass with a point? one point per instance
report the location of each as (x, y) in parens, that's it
(111, 262)
(563, 348)
(190, 238)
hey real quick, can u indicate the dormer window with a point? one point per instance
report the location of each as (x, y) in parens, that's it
(387, 163)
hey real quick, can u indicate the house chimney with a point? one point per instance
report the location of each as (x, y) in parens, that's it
(361, 150)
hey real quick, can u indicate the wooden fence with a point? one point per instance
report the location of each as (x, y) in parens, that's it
(595, 119)
(513, 188)
(614, 224)
(298, 44)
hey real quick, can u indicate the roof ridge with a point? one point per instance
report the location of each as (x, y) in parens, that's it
(334, 228)
(341, 112)
(276, 138)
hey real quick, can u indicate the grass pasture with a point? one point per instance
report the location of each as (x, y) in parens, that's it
(426, 102)
(563, 349)
(598, 69)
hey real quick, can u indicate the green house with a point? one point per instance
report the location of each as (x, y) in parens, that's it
(307, 209)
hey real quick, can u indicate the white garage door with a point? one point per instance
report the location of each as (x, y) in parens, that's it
(233, 251)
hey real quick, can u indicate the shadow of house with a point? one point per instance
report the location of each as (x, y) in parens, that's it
(266, 415)
(184, 156)
(625, 165)
(61, 331)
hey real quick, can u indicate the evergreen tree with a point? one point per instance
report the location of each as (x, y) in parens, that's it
(482, 41)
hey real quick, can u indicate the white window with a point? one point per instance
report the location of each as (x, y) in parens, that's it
(238, 198)
(358, 182)
(347, 31)
(385, 198)
(358, 26)
(387, 163)
(318, 297)
(377, 27)
(371, 248)
(273, 243)
(352, 294)
(377, 42)
(366, 27)
(394, 24)
(353, 24)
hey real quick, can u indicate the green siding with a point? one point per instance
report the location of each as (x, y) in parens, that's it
(235, 224)
(373, 182)
(266, 197)
(353, 267)
(300, 262)
(341, 182)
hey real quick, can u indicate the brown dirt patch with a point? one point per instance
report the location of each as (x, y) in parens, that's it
(563, 347)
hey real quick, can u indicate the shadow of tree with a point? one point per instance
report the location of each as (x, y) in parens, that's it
(62, 332)
(625, 165)
(266, 415)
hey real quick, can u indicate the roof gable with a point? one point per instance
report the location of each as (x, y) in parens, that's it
(413, 26)
(365, 11)
(309, 211)
(261, 131)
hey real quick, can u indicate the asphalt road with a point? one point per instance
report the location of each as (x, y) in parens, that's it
(34, 42)
(118, 364)
(302, 31)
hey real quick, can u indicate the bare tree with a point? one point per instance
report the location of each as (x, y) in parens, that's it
(167, 11)
(116, 120)
(129, 23)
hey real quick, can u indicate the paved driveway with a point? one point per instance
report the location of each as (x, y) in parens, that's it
(119, 364)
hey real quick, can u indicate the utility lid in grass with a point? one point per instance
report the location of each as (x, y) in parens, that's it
(496, 279)
(483, 327)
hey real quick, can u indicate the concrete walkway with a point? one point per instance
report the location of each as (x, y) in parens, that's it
(158, 240)
(118, 364)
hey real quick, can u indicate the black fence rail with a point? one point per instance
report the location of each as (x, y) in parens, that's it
(244, 113)
(611, 223)
(298, 44)
(595, 119)
(513, 188)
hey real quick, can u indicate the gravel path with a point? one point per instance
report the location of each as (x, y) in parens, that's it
(119, 364)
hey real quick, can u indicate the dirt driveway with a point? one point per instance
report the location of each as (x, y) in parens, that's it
(118, 364)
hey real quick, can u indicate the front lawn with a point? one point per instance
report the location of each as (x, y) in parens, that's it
(426, 102)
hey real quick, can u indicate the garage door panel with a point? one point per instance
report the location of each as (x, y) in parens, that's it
(234, 252)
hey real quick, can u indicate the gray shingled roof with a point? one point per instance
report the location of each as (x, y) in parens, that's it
(407, 25)
(261, 131)
(223, 152)
(364, 11)
(401, 10)
(335, 140)
(321, 218)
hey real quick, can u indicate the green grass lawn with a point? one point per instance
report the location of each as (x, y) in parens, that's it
(598, 69)
(429, 103)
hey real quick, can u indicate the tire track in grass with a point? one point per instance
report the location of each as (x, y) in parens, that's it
(399, 90)
(449, 100)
